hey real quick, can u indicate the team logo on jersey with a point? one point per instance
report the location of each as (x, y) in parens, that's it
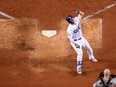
(77, 29)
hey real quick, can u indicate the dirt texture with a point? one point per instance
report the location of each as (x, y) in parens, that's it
(21, 65)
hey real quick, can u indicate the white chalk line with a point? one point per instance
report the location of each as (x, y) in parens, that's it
(6, 15)
(100, 21)
(99, 11)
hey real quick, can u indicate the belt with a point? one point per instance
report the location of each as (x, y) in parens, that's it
(77, 39)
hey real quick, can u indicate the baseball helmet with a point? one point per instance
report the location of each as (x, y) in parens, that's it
(69, 18)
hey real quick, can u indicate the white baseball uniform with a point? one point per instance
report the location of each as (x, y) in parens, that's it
(74, 33)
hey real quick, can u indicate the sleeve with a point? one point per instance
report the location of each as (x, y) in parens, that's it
(69, 35)
(94, 85)
(97, 83)
(78, 17)
(113, 81)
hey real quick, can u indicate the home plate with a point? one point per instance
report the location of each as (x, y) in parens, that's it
(49, 33)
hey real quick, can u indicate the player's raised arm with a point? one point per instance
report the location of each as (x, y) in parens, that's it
(79, 12)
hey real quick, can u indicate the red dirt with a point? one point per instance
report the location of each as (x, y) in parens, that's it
(17, 70)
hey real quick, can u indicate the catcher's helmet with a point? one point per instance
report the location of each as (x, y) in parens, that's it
(69, 18)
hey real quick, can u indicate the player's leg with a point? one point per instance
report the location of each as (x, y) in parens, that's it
(89, 50)
(79, 52)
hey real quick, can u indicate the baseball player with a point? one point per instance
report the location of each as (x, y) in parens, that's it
(74, 34)
(106, 79)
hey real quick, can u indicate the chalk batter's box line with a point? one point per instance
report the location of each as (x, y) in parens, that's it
(101, 33)
(6, 15)
(99, 11)
(100, 21)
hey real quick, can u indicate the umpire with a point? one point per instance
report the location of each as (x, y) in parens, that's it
(106, 79)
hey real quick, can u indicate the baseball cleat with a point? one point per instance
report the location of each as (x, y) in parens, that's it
(79, 73)
(93, 59)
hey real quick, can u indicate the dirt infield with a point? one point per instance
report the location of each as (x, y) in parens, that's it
(22, 67)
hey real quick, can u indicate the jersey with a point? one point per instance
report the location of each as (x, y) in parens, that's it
(98, 82)
(74, 31)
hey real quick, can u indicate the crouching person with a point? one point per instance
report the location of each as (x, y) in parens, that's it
(106, 79)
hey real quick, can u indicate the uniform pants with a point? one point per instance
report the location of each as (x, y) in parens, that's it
(82, 43)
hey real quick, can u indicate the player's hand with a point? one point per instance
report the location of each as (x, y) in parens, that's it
(77, 11)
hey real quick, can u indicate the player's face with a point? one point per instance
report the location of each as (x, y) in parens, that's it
(72, 21)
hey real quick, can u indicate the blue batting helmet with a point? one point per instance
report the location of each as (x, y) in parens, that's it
(69, 18)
